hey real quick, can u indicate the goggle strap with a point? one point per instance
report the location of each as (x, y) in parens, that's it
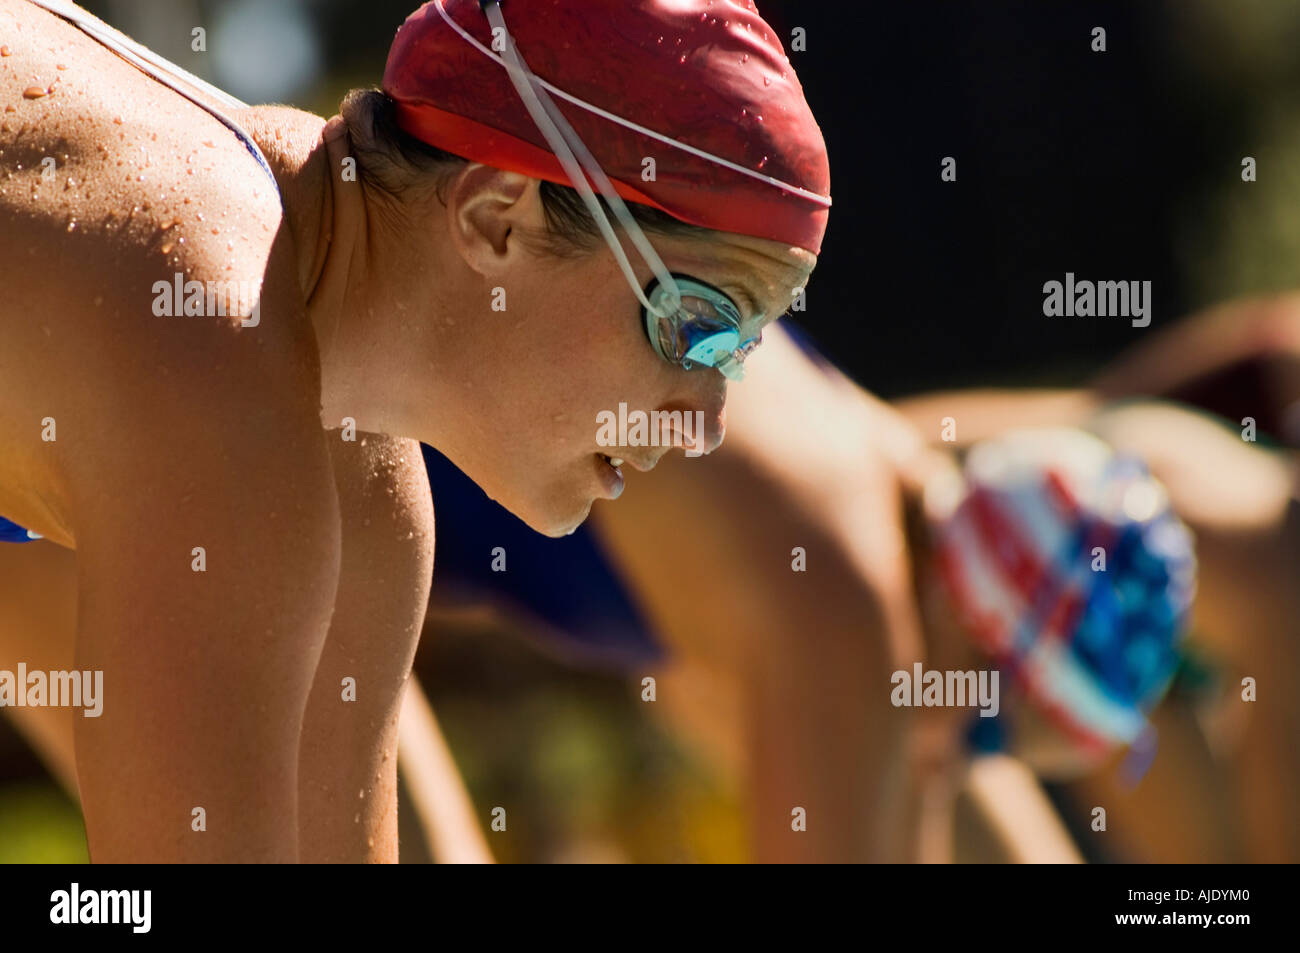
(620, 209)
(564, 142)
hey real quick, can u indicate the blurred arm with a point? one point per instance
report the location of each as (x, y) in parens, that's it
(1026, 829)
(789, 672)
(446, 812)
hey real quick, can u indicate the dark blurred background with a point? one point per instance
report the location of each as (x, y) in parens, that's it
(1117, 165)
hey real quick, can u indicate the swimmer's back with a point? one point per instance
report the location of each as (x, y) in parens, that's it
(145, 185)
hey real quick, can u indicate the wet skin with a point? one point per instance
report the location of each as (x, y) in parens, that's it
(183, 438)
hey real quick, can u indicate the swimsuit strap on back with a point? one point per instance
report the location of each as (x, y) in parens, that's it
(169, 74)
(165, 71)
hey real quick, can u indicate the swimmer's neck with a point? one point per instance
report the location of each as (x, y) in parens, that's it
(328, 228)
(359, 277)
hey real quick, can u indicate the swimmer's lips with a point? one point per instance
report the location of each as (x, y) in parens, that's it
(611, 477)
(611, 474)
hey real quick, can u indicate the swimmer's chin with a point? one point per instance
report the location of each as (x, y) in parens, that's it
(570, 526)
(556, 524)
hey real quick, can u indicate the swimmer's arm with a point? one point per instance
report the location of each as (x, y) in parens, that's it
(1231, 332)
(205, 673)
(958, 419)
(451, 830)
(347, 758)
(1022, 825)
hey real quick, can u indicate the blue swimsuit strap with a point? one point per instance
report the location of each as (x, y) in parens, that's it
(163, 70)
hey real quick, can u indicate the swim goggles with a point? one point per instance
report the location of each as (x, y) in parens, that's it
(703, 331)
(689, 323)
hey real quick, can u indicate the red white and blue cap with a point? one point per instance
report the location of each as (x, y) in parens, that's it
(1065, 562)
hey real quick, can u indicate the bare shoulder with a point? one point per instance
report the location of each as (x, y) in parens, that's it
(102, 164)
(125, 338)
(294, 132)
(154, 302)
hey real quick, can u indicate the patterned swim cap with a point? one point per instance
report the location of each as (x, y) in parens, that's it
(1065, 562)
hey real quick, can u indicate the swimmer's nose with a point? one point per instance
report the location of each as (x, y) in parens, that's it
(714, 430)
(704, 418)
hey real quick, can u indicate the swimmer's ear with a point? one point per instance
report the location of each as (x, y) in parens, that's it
(488, 212)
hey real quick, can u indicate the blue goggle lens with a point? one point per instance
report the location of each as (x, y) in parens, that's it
(705, 330)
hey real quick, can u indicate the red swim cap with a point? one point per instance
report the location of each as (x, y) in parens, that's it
(711, 76)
